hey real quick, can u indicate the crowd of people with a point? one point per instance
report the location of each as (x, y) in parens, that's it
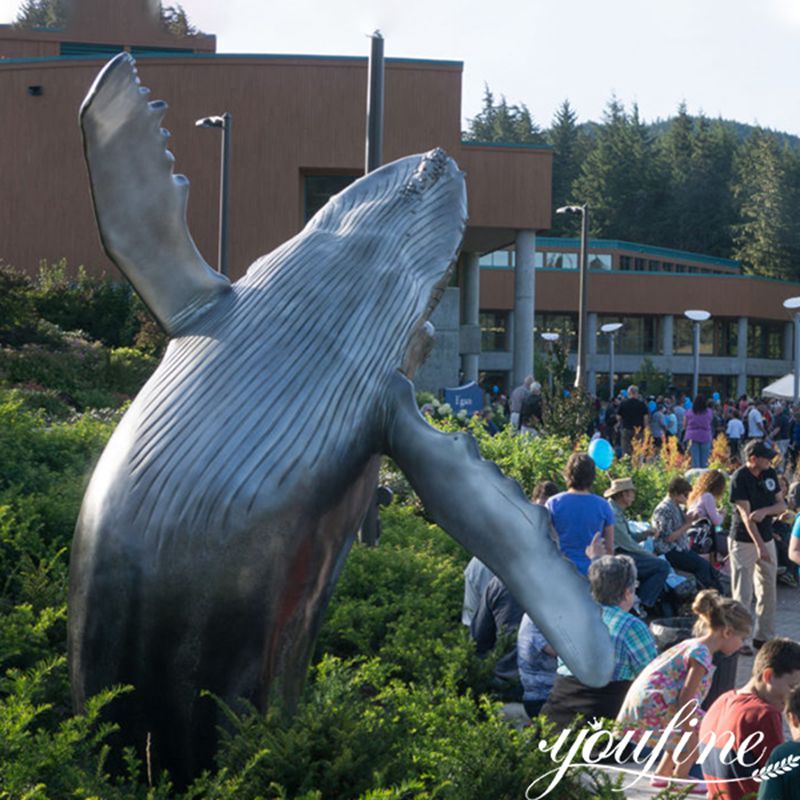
(692, 423)
(642, 572)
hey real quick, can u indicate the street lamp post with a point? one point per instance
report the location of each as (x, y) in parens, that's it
(223, 123)
(793, 304)
(580, 372)
(697, 316)
(610, 329)
(551, 339)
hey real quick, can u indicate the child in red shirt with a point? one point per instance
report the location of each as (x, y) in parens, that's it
(752, 716)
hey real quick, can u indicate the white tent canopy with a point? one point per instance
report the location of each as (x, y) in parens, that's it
(783, 388)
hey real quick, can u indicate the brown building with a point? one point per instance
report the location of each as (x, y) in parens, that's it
(747, 343)
(298, 135)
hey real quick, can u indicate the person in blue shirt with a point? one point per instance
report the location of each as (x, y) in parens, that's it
(578, 515)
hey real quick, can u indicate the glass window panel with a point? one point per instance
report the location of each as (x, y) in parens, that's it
(318, 189)
(599, 261)
(494, 331)
(625, 263)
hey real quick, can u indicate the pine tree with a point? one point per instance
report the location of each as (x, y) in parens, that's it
(175, 20)
(764, 239)
(41, 14)
(569, 146)
(503, 123)
(619, 179)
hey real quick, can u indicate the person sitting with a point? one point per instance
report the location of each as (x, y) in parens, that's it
(498, 612)
(613, 584)
(738, 714)
(652, 571)
(785, 784)
(683, 674)
(542, 492)
(702, 502)
(671, 526)
(578, 514)
(536, 662)
(476, 577)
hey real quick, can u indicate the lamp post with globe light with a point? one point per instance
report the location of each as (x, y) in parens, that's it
(551, 339)
(697, 316)
(580, 372)
(610, 329)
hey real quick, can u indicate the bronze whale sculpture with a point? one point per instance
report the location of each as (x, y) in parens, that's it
(222, 509)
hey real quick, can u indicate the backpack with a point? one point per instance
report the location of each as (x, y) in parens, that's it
(701, 535)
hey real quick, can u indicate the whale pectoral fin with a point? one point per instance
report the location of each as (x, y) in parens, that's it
(139, 204)
(490, 516)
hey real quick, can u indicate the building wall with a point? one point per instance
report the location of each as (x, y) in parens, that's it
(291, 116)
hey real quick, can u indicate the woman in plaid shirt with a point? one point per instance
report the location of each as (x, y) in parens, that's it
(671, 526)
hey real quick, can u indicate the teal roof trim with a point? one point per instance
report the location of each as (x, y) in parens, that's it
(633, 247)
(236, 56)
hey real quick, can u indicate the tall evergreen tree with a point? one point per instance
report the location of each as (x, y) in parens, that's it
(619, 178)
(501, 122)
(41, 14)
(764, 238)
(569, 146)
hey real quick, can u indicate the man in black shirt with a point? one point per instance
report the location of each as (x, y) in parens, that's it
(758, 498)
(633, 416)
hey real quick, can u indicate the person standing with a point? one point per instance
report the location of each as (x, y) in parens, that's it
(735, 432)
(698, 431)
(517, 399)
(781, 427)
(634, 416)
(758, 500)
(755, 423)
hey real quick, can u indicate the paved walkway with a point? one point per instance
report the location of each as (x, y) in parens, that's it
(788, 624)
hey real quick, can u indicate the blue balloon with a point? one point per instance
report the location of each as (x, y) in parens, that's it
(624, 392)
(687, 403)
(715, 397)
(495, 389)
(602, 453)
(566, 392)
(651, 406)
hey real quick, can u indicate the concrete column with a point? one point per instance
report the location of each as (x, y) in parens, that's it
(524, 292)
(591, 353)
(667, 334)
(741, 356)
(470, 331)
(788, 341)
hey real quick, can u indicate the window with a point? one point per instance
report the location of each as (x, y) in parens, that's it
(654, 266)
(599, 261)
(565, 324)
(318, 189)
(494, 331)
(625, 263)
(639, 264)
(680, 268)
(718, 337)
(667, 266)
(638, 335)
(561, 260)
(497, 259)
(764, 339)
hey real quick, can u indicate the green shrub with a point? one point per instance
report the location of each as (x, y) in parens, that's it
(128, 369)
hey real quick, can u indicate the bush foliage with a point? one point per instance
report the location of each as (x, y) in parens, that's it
(397, 702)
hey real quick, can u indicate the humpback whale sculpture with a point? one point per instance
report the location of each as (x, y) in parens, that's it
(216, 522)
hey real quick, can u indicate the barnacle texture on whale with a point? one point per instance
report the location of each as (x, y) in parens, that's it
(214, 526)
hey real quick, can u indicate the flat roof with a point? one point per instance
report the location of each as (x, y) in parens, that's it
(243, 56)
(634, 247)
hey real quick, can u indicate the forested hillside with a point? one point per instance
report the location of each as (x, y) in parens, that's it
(706, 185)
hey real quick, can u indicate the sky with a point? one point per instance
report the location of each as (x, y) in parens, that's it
(732, 58)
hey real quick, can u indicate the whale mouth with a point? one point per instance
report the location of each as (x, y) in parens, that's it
(432, 166)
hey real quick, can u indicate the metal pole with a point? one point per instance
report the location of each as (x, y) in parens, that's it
(374, 151)
(696, 382)
(611, 338)
(550, 370)
(580, 373)
(224, 181)
(796, 357)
